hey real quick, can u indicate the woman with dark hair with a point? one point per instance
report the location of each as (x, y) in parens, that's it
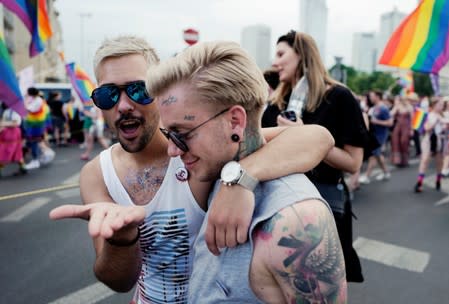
(307, 94)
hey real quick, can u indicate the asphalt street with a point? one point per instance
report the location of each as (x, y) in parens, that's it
(402, 238)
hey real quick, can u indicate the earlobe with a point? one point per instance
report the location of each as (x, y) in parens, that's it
(238, 122)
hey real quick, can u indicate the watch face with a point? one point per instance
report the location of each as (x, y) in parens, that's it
(230, 172)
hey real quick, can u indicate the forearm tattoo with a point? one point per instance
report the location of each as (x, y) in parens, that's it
(314, 267)
(171, 99)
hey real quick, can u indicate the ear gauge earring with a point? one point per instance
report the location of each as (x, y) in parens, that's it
(235, 138)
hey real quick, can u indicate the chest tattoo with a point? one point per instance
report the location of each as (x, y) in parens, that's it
(142, 184)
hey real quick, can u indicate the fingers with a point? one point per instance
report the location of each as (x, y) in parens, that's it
(242, 233)
(210, 239)
(105, 219)
(70, 211)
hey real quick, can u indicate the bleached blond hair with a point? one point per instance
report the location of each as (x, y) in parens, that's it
(124, 45)
(220, 72)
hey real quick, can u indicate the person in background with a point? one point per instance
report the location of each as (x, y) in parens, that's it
(380, 123)
(402, 113)
(11, 139)
(35, 125)
(57, 117)
(434, 142)
(315, 98)
(143, 207)
(271, 76)
(294, 255)
(95, 121)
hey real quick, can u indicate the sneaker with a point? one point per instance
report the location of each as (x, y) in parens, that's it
(383, 176)
(363, 179)
(34, 164)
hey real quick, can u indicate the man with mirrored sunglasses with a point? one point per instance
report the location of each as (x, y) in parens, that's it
(144, 212)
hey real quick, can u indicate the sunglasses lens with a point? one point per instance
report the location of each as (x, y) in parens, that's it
(175, 138)
(138, 93)
(106, 97)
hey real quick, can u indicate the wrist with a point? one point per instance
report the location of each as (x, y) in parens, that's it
(233, 173)
(124, 242)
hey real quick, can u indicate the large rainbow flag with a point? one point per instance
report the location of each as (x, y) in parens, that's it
(80, 81)
(9, 86)
(33, 14)
(421, 42)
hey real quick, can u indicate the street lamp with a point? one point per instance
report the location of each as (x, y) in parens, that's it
(82, 17)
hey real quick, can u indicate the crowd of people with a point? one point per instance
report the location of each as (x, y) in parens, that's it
(186, 212)
(32, 141)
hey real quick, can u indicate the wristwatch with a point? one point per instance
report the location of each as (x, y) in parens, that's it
(232, 173)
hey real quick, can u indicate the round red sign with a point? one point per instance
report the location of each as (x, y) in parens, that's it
(191, 36)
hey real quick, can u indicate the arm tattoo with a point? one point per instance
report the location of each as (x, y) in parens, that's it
(315, 265)
(171, 99)
(189, 117)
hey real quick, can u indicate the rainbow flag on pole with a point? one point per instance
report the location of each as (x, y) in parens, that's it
(421, 42)
(9, 86)
(33, 14)
(418, 119)
(80, 81)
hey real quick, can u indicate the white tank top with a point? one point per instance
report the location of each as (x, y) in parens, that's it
(171, 226)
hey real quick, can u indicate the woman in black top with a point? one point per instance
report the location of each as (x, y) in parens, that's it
(326, 102)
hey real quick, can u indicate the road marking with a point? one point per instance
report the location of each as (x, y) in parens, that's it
(444, 200)
(25, 210)
(69, 193)
(74, 179)
(392, 255)
(39, 191)
(88, 295)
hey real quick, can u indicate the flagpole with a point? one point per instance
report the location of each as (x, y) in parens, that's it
(82, 17)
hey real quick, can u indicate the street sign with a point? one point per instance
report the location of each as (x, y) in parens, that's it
(191, 36)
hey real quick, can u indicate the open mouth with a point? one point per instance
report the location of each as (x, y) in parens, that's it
(129, 127)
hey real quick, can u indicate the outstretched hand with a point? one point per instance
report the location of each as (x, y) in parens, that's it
(105, 219)
(229, 218)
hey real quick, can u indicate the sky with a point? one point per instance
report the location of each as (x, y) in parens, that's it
(162, 22)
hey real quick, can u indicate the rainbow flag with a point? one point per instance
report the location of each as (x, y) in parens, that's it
(33, 14)
(80, 81)
(38, 122)
(418, 119)
(421, 42)
(9, 86)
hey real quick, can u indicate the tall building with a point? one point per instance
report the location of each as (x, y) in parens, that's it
(364, 52)
(388, 24)
(256, 40)
(313, 21)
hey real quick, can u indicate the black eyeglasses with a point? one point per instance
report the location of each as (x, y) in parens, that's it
(179, 138)
(107, 96)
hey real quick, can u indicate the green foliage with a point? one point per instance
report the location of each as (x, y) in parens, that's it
(361, 82)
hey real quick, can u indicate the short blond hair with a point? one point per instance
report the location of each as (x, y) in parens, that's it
(219, 72)
(124, 45)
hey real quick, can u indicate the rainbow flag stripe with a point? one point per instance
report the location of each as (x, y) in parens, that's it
(9, 86)
(421, 42)
(34, 15)
(418, 119)
(80, 81)
(38, 122)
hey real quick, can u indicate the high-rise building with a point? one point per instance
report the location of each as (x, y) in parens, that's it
(388, 24)
(256, 40)
(364, 52)
(313, 21)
